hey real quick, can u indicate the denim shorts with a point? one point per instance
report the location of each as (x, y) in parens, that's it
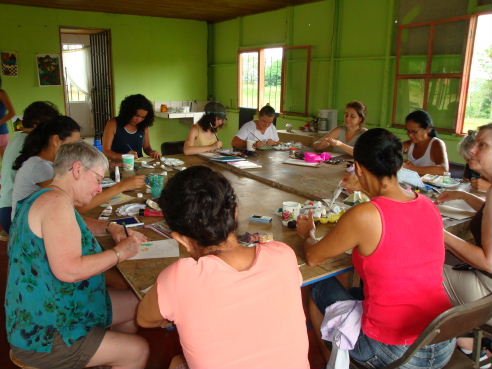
(375, 354)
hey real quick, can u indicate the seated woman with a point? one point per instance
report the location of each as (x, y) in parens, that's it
(57, 306)
(262, 131)
(34, 165)
(342, 139)
(426, 153)
(220, 295)
(203, 135)
(400, 261)
(473, 283)
(128, 133)
(36, 113)
(478, 183)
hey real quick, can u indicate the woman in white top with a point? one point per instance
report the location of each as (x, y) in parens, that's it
(342, 139)
(426, 153)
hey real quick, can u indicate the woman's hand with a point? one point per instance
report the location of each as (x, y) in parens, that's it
(450, 195)
(155, 154)
(480, 184)
(259, 144)
(217, 145)
(409, 165)
(133, 183)
(134, 153)
(351, 182)
(305, 226)
(334, 142)
(130, 245)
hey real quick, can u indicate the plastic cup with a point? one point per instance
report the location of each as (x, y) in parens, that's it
(156, 184)
(128, 161)
(250, 145)
(290, 210)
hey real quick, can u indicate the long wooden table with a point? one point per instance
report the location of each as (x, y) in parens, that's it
(261, 192)
(314, 183)
(254, 198)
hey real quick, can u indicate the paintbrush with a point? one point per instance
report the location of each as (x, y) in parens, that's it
(213, 130)
(255, 135)
(336, 193)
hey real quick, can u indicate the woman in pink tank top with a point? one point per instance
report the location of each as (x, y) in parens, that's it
(234, 306)
(398, 256)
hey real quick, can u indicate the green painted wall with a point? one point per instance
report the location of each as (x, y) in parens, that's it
(353, 57)
(162, 58)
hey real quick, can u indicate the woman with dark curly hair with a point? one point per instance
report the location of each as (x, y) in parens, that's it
(220, 295)
(128, 133)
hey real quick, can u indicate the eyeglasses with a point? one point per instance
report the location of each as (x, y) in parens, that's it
(99, 177)
(140, 116)
(413, 131)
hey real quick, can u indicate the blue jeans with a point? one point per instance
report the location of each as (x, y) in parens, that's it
(375, 354)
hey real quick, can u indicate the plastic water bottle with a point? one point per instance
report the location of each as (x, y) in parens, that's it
(117, 177)
(98, 142)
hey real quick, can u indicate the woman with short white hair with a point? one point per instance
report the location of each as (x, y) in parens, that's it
(57, 305)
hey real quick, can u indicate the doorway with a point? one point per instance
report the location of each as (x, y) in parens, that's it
(88, 79)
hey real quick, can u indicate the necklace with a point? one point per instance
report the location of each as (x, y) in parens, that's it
(62, 190)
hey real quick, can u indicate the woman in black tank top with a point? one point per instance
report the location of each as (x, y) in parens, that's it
(128, 133)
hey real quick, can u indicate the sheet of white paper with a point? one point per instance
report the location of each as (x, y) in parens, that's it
(410, 177)
(456, 209)
(158, 249)
(300, 162)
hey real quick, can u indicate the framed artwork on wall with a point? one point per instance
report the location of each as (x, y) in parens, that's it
(9, 64)
(48, 69)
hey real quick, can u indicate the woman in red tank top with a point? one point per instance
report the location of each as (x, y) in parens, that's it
(399, 258)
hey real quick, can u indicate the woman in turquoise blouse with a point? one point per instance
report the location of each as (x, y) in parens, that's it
(57, 306)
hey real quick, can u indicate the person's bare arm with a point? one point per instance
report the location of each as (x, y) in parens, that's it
(147, 148)
(53, 219)
(128, 184)
(148, 314)
(238, 143)
(479, 257)
(325, 141)
(360, 227)
(4, 97)
(474, 201)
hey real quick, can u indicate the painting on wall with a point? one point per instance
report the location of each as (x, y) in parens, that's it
(9, 64)
(48, 69)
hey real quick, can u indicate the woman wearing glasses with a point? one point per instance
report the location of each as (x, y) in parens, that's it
(426, 153)
(128, 133)
(203, 135)
(58, 308)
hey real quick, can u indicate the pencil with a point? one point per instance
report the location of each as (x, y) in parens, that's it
(126, 230)
(131, 149)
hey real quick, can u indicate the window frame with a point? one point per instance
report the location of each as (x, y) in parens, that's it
(428, 76)
(261, 77)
